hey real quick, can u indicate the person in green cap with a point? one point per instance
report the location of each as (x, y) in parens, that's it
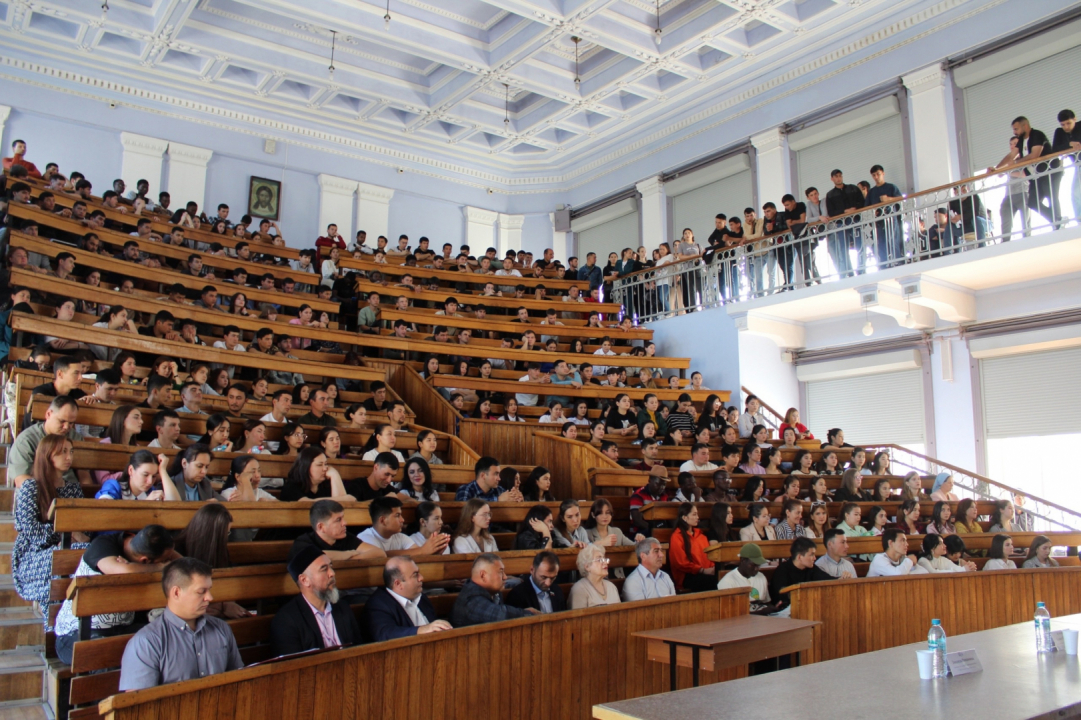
(746, 575)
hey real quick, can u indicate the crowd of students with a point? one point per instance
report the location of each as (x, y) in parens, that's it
(42, 466)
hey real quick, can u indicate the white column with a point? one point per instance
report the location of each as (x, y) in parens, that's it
(336, 204)
(653, 210)
(774, 168)
(373, 211)
(562, 242)
(5, 111)
(934, 142)
(510, 233)
(142, 160)
(480, 229)
(187, 174)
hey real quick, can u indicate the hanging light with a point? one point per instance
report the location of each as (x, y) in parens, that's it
(506, 107)
(909, 321)
(386, 18)
(104, 7)
(657, 32)
(577, 78)
(333, 42)
(868, 328)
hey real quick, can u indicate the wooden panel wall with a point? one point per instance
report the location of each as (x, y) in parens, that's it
(570, 462)
(431, 408)
(555, 666)
(510, 443)
(870, 614)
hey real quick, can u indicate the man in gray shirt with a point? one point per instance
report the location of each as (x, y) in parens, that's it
(60, 418)
(648, 581)
(835, 561)
(183, 643)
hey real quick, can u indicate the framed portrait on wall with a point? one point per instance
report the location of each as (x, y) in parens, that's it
(264, 198)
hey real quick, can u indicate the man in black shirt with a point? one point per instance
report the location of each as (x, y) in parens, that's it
(330, 535)
(795, 217)
(377, 402)
(774, 222)
(799, 568)
(840, 200)
(1068, 137)
(377, 484)
(1025, 146)
(890, 245)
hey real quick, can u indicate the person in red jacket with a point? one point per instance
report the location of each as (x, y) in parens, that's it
(692, 571)
(791, 420)
(18, 150)
(332, 239)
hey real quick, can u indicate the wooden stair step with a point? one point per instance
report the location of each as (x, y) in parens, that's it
(8, 597)
(22, 675)
(21, 627)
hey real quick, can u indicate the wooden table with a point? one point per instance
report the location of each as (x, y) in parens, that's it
(1016, 684)
(734, 641)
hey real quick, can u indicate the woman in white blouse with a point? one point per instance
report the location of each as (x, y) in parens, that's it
(998, 557)
(381, 441)
(472, 534)
(593, 589)
(430, 520)
(330, 270)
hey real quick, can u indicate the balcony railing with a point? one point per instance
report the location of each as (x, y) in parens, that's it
(1007, 205)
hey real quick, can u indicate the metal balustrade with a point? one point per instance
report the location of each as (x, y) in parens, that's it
(1026, 201)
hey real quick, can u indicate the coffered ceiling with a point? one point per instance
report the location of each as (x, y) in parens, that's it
(474, 83)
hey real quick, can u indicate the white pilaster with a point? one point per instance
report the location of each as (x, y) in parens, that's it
(336, 204)
(562, 242)
(934, 143)
(373, 211)
(187, 174)
(774, 169)
(510, 233)
(653, 211)
(5, 111)
(142, 160)
(480, 229)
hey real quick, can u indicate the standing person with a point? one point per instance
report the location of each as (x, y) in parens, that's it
(841, 200)
(1026, 146)
(1068, 137)
(890, 241)
(32, 553)
(183, 643)
(687, 249)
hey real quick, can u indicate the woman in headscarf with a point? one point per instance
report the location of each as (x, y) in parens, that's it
(943, 487)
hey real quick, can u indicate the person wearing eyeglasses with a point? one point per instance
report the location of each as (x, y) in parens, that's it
(593, 589)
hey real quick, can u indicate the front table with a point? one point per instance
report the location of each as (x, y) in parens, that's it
(728, 643)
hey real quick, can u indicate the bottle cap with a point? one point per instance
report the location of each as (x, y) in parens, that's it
(1039, 604)
(935, 622)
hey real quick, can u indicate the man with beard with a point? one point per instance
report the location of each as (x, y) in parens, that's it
(317, 617)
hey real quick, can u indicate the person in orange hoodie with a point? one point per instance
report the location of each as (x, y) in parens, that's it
(692, 571)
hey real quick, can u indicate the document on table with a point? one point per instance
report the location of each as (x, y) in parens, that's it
(963, 662)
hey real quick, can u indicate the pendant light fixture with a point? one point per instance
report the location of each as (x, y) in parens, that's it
(506, 107)
(868, 328)
(333, 43)
(657, 32)
(386, 18)
(577, 78)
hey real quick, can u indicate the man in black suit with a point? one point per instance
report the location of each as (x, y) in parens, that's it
(317, 617)
(399, 608)
(540, 592)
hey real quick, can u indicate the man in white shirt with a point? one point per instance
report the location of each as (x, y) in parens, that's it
(508, 271)
(648, 581)
(399, 608)
(230, 341)
(895, 560)
(605, 349)
(746, 575)
(167, 426)
(699, 461)
(533, 375)
(835, 561)
(280, 404)
(386, 531)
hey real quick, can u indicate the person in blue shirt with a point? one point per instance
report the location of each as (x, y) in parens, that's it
(889, 235)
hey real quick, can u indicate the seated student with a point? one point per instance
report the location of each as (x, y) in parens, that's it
(381, 441)
(759, 528)
(941, 522)
(183, 643)
(895, 559)
(480, 600)
(378, 482)
(317, 413)
(790, 526)
(699, 461)
(648, 581)
(485, 485)
(835, 439)
(386, 531)
(688, 488)
(851, 488)
(692, 570)
(1039, 554)
(472, 534)
(309, 479)
(318, 617)
(136, 482)
(835, 562)
(800, 567)
(540, 592)
(147, 551)
(998, 557)
(167, 429)
(159, 392)
(399, 608)
(60, 419)
(933, 558)
(683, 417)
(746, 575)
(535, 531)
(330, 535)
(186, 479)
(943, 488)
(594, 588)
(654, 491)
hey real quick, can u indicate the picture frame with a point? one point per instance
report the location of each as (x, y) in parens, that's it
(264, 198)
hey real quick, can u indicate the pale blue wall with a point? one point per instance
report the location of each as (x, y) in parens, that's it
(710, 339)
(440, 221)
(537, 234)
(93, 151)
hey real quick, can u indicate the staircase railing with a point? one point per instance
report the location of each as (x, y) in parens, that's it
(1033, 513)
(859, 242)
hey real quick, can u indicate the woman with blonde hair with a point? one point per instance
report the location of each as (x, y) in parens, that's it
(471, 535)
(594, 588)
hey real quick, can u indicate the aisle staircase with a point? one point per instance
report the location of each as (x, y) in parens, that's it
(22, 637)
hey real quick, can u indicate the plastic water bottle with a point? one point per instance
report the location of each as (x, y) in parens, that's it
(936, 643)
(1044, 643)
